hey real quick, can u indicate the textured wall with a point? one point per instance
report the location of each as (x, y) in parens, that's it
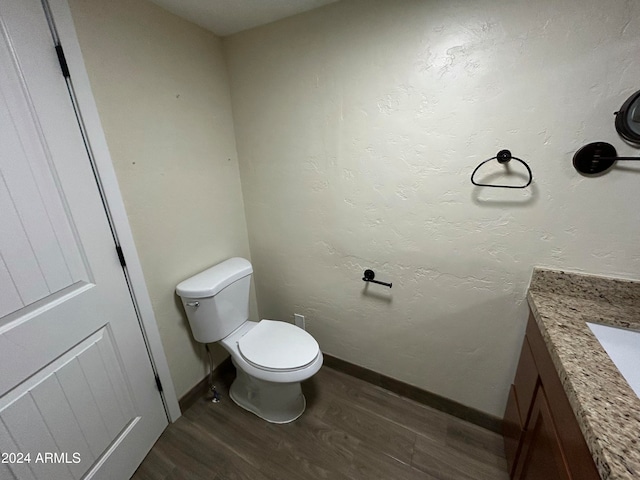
(357, 128)
(161, 88)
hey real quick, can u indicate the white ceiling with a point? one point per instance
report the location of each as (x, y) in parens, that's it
(224, 17)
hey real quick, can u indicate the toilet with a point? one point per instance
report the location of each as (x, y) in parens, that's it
(271, 357)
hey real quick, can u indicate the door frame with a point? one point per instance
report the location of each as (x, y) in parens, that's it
(97, 144)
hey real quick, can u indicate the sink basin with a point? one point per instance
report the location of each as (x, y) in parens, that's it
(623, 346)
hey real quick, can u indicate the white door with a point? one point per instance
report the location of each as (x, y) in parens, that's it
(78, 397)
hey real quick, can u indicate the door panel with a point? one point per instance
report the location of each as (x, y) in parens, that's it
(82, 401)
(542, 455)
(76, 382)
(38, 246)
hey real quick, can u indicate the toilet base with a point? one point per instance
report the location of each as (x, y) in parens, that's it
(273, 402)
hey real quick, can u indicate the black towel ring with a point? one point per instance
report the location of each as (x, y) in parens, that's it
(503, 156)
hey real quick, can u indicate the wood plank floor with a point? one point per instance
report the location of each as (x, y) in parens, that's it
(350, 430)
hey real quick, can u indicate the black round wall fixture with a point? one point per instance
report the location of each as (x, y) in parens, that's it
(598, 157)
(594, 158)
(628, 119)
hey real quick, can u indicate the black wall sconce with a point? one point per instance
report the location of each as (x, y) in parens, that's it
(598, 157)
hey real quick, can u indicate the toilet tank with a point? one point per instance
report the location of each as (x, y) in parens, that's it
(217, 300)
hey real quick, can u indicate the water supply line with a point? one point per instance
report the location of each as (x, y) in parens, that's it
(212, 387)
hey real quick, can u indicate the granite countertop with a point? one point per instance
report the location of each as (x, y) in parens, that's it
(608, 411)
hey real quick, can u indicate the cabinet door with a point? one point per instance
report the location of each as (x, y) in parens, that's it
(526, 381)
(512, 429)
(542, 457)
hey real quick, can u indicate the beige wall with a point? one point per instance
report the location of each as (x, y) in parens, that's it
(162, 92)
(358, 126)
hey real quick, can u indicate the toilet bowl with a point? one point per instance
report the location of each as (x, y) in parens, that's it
(271, 357)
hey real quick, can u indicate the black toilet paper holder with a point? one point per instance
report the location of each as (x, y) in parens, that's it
(369, 276)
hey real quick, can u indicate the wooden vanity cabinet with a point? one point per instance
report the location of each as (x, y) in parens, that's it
(542, 438)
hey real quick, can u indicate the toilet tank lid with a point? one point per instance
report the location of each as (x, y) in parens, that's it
(212, 280)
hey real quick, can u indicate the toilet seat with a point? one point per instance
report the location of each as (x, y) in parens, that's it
(278, 346)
